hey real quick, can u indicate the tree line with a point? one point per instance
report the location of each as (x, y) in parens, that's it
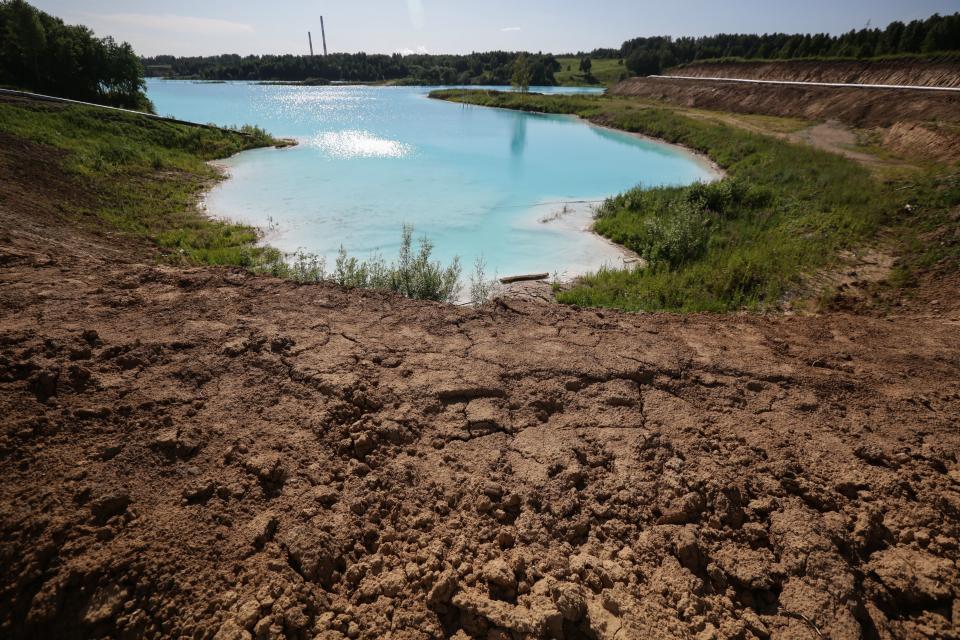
(494, 67)
(38, 52)
(648, 56)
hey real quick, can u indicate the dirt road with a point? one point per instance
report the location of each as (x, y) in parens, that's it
(204, 453)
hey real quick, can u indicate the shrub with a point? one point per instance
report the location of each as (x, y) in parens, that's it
(675, 236)
(480, 287)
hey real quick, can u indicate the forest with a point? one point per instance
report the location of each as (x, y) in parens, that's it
(649, 56)
(40, 53)
(494, 67)
(642, 56)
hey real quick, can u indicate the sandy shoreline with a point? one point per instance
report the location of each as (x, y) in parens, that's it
(582, 213)
(578, 219)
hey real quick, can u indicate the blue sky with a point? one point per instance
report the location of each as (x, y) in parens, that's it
(192, 27)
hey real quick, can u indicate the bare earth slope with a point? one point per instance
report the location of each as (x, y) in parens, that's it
(204, 453)
(855, 107)
(929, 72)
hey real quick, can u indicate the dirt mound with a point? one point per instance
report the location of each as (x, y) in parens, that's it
(917, 140)
(205, 453)
(855, 107)
(927, 72)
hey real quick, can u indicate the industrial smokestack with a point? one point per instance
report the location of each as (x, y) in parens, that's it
(323, 34)
(310, 38)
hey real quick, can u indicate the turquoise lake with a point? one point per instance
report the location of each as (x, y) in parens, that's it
(476, 181)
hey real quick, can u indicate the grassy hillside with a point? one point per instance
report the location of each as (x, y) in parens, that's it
(784, 211)
(146, 174)
(144, 177)
(603, 72)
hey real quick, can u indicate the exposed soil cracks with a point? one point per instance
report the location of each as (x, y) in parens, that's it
(204, 453)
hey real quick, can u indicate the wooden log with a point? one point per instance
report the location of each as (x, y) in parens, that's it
(524, 278)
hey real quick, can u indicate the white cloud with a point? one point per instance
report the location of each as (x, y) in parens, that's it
(409, 52)
(179, 24)
(415, 7)
(510, 29)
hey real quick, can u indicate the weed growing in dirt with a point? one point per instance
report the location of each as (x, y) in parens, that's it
(481, 288)
(743, 242)
(413, 274)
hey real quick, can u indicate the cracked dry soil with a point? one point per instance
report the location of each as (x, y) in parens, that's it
(202, 453)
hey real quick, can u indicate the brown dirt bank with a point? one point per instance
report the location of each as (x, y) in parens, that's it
(855, 107)
(928, 72)
(204, 453)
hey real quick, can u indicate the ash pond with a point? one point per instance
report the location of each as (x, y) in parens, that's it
(516, 189)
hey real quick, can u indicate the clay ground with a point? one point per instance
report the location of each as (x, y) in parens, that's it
(204, 453)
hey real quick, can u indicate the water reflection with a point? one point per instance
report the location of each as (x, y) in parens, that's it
(518, 143)
(630, 140)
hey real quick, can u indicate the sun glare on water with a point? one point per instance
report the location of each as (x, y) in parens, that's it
(359, 144)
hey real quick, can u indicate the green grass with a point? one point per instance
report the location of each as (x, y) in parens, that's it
(603, 72)
(930, 229)
(146, 175)
(785, 210)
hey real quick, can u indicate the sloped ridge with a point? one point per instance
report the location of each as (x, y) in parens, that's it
(942, 71)
(852, 106)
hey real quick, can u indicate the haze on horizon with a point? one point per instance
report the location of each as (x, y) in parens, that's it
(186, 28)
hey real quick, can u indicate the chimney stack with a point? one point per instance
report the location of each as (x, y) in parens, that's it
(323, 34)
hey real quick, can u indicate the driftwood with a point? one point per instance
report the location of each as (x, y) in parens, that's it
(524, 278)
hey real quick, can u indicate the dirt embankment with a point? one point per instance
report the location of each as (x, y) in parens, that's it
(855, 107)
(203, 453)
(920, 124)
(926, 72)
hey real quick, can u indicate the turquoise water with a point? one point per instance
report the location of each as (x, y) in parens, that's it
(476, 181)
